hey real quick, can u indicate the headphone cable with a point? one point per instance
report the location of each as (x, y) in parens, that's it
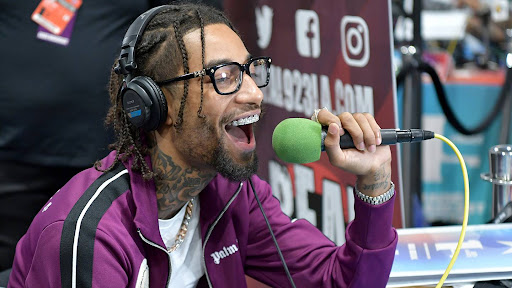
(273, 237)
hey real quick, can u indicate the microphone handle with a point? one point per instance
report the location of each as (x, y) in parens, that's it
(389, 137)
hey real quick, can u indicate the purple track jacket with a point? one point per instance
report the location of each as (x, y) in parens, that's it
(101, 230)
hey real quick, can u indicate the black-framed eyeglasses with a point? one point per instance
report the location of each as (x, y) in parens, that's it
(227, 77)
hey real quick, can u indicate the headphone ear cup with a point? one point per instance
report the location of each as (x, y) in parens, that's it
(145, 103)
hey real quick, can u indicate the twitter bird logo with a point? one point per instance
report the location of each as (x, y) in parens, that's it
(264, 15)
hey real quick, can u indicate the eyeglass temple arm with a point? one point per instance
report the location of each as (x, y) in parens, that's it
(183, 77)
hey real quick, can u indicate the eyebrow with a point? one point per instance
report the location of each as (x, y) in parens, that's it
(225, 60)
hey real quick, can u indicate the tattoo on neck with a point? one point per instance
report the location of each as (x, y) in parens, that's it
(175, 185)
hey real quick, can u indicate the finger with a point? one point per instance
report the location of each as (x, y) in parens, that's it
(375, 127)
(368, 134)
(325, 118)
(332, 145)
(314, 117)
(350, 125)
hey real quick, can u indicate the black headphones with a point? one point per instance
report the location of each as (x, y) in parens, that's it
(142, 99)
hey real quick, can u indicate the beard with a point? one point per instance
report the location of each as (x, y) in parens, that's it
(226, 166)
(214, 153)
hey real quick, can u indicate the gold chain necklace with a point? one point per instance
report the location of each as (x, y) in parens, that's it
(184, 227)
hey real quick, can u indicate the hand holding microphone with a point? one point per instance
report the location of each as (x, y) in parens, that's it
(300, 140)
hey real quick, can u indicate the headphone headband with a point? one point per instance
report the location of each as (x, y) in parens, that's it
(126, 63)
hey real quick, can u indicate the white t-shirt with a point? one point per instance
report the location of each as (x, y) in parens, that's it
(186, 267)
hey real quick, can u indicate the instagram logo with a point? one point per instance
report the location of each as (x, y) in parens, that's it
(355, 41)
(307, 28)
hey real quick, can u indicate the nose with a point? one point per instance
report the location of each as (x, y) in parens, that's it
(249, 92)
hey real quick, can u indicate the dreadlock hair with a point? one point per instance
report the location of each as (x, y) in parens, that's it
(160, 54)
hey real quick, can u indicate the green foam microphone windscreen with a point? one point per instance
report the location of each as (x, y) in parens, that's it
(297, 140)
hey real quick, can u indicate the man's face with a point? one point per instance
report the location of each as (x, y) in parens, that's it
(218, 141)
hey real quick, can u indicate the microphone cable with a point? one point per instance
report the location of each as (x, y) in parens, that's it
(273, 237)
(466, 208)
(466, 199)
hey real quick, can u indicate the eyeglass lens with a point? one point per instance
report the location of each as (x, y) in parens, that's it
(227, 78)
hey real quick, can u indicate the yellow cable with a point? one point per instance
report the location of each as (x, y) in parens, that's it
(466, 208)
(451, 47)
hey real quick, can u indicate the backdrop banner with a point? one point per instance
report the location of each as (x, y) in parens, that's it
(325, 53)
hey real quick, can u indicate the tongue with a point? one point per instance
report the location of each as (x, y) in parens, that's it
(237, 134)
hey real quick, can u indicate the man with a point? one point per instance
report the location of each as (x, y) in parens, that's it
(177, 202)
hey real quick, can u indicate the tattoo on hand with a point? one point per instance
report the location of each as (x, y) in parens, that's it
(380, 174)
(375, 186)
(382, 179)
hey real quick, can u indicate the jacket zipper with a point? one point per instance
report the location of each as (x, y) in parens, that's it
(210, 230)
(158, 246)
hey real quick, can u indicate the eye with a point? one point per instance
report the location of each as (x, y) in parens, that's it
(255, 72)
(226, 75)
(222, 76)
(258, 71)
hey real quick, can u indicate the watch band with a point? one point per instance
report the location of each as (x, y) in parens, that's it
(382, 198)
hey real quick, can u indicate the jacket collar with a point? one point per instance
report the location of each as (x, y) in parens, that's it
(144, 197)
(214, 197)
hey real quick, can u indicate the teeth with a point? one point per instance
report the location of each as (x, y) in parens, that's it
(245, 121)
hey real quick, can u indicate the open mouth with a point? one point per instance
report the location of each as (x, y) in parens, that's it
(240, 130)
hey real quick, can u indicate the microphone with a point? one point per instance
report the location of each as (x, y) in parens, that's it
(300, 140)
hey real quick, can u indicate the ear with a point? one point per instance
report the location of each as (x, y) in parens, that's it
(171, 113)
(169, 120)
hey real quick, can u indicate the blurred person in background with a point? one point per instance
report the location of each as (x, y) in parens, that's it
(482, 13)
(53, 95)
(487, 41)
